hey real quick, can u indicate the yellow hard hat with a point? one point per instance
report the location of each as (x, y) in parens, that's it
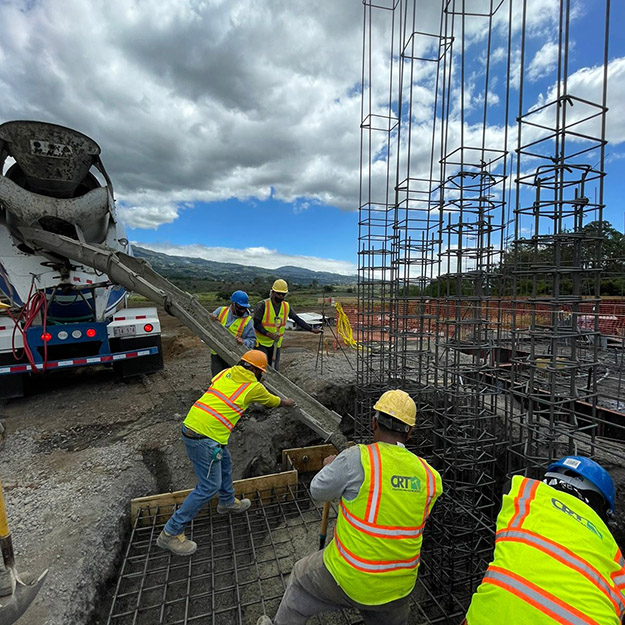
(399, 405)
(256, 358)
(3, 305)
(280, 286)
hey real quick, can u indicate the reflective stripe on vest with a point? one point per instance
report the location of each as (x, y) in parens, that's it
(229, 401)
(223, 420)
(372, 545)
(522, 502)
(431, 490)
(374, 566)
(375, 491)
(566, 557)
(537, 597)
(381, 531)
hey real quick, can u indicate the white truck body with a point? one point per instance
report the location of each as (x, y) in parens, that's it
(62, 313)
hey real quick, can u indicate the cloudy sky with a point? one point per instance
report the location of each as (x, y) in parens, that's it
(230, 128)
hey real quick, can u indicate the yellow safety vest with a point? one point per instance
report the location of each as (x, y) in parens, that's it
(236, 327)
(374, 556)
(273, 323)
(217, 412)
(555, 562)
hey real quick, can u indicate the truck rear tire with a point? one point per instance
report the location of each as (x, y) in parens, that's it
(131, 367)
(12, 385)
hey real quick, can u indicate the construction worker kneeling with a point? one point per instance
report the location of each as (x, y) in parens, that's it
(555, 559)
(205, 432)
(386, 494)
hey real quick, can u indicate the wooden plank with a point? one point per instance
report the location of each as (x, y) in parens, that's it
(306, 459)
(267, 486)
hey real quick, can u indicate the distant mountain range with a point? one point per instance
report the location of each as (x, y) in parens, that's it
(198, 268)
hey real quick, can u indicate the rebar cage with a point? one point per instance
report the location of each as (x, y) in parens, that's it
(480, 230)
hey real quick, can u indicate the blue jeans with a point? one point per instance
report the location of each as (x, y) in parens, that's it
(212, 476)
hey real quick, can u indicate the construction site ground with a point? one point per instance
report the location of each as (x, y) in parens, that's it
(83, 443)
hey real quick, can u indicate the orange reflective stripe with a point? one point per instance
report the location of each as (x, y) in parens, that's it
(522, 502)
(372, 566)
(375, 487)
(537, 597)
(268, 306)
(226, 400)
(380, 531)
(242, 325)
(223, 315)
(568, 558)
(431, 489)
(283, 318)
(618, 577)
(214, 413)
(240, 390)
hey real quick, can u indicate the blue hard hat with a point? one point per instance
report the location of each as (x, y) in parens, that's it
(588, 470)
(240, 298)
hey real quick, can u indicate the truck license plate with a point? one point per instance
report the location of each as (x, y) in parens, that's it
(124, 331)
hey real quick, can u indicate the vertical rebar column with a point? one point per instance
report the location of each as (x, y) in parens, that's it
(379, 133)
(556, 341)
(472, 193)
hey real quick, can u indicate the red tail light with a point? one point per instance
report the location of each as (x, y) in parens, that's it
(91, 333)
(46, 336)
(148, 327)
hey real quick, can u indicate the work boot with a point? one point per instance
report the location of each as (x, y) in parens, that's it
(264, 620)
(179, 545)
(236, 506)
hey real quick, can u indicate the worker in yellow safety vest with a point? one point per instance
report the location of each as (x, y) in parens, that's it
(386, 495)
(237, 319)
(205, 432)
(270, 317)
(555, 560)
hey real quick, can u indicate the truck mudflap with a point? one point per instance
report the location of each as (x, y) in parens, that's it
(80, 362)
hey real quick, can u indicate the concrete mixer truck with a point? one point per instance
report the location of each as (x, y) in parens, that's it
(55, 312)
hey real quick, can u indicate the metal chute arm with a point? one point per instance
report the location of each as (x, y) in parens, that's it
(138, 276)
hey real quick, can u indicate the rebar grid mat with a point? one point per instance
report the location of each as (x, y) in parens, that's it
(239, 570)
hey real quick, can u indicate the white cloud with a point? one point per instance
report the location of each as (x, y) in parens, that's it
(257, 256)
(199, 102)
(195, 101)
(544, 62)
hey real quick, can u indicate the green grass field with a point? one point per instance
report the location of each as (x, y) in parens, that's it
(302, 300)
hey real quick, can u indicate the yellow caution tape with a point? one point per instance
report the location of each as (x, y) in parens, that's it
(344, 327)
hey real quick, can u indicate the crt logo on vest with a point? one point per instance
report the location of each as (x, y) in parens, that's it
(558, 505)
(403, 482)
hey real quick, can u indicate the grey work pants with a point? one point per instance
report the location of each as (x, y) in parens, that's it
(311, 589)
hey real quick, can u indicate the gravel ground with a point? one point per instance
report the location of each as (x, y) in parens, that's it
(82, 444)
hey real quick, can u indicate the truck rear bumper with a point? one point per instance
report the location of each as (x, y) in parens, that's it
(79, 362)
